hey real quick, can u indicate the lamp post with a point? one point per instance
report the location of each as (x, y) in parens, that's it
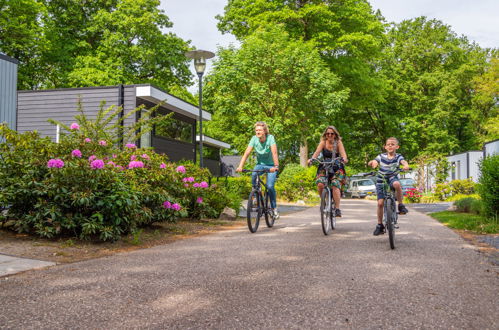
(200, 57)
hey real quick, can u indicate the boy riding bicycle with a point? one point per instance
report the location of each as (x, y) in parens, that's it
(388, 163)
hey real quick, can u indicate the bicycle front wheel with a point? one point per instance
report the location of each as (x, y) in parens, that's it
(332, 214)
(254, 211)
(390, 221)
(326, 212)
(269, 215)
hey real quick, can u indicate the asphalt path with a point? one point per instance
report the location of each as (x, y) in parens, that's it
(287, 277)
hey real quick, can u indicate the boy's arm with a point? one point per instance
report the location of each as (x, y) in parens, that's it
(373, 163)
(405, 165)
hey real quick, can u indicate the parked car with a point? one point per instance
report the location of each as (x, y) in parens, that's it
(407, 184)
(360, 188)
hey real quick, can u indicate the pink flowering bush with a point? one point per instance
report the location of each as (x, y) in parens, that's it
(57, 163)
(413, 195)
(97, 164)
(76, 153)
(72, 189)
(74, 126)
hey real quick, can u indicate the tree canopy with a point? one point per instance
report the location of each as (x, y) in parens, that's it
(277, 79)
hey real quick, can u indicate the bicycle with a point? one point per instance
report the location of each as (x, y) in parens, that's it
(328, 206)
(259, 204)
(390, 213)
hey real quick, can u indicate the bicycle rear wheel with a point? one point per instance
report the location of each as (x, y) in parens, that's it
(326, 212)
(390, 219)
(269, 215)
(254, 211)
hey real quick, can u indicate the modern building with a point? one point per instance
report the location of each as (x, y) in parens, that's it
(491, 148)
(464, 165)
(176, 138)
(8, 90)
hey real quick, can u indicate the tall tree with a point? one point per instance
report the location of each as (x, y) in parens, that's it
(133, 49)
(22, 37)
(277, 79)
(485, 120)
(430, 73)
(348, 35)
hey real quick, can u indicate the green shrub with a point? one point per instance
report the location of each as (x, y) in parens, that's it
(445, 190)
(295, 182)
(240, 186)
(97, 193)
(464, 204)
(460, 196)
(489, 185)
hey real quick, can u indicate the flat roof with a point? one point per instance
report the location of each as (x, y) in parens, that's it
(214, 143)
(156, 95)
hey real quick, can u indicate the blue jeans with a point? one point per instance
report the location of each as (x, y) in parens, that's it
(271, 177)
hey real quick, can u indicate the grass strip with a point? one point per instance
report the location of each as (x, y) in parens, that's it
(467, 221)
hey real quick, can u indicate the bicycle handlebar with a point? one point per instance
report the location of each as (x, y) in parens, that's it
(332, 161)
(256, 171)
(396, 171)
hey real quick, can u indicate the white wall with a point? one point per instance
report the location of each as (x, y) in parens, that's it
(491, 148)
(474, 159)
(457, 167)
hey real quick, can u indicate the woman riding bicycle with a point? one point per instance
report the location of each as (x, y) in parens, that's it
(266, 159)
(331, 147)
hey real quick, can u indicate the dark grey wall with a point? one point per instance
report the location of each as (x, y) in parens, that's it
(36, 107)
(8, 90)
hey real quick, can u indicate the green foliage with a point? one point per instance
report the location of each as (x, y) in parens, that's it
(241, 185)
(467, 221)
(105, 203)
(429, 72)
(349, 36)
(276, 79)
(489, 185)
(470, 205)
(445, 190)
(295, 182)
(64, 43)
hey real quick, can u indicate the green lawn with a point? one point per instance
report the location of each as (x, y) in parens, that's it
(468, 221)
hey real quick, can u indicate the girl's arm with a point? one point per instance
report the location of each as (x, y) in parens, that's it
(243, 160)
(317, 151)
(342, 151)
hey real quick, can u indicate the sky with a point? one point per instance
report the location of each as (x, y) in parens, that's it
(478, 20)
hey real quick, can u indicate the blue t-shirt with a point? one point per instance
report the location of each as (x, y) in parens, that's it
(387, 166)
(262, 150)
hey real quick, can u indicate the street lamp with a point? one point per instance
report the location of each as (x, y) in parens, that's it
(200, 57)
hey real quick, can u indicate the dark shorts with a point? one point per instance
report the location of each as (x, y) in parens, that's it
(379, 186)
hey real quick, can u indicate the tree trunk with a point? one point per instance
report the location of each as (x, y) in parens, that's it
(303, 152)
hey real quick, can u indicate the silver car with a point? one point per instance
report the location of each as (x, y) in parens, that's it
(360, 188)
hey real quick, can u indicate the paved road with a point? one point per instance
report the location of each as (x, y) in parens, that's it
(287, 277)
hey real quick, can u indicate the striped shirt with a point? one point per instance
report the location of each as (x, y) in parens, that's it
(388, 166)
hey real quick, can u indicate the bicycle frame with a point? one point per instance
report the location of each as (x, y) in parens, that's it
(260, 193)
(328, 206)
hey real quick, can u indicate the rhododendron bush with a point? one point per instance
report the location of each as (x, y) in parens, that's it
(89, 188)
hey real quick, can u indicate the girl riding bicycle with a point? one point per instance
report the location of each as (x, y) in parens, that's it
(331, 147)
(266, 159)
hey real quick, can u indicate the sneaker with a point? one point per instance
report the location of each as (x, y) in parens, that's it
(275, 213)
(402, 209)
(380, 229)
(337, 213)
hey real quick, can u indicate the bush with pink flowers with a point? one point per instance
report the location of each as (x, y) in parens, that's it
(89, 189)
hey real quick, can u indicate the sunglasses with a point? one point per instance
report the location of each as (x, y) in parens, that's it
(330, 133)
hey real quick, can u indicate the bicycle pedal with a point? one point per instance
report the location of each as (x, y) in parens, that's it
(396, 227)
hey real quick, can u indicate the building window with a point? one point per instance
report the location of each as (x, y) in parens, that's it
(176, 129)
(210, 152)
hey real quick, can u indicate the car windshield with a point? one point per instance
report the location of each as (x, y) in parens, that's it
(407, 182)
(364, 183)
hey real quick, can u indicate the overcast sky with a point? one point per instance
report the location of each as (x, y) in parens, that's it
(477, 19)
